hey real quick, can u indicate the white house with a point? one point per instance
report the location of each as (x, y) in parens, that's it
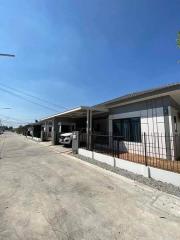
(150, 117)
(138, 132)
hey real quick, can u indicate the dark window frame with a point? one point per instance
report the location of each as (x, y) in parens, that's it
(128, 128)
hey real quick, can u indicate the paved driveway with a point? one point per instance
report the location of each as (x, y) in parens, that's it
(48, 195)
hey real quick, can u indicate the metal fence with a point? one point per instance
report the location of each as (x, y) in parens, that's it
(156, 150)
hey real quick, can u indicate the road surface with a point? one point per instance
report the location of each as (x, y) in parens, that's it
(48, 195)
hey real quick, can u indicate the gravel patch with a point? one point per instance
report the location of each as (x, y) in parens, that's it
(164, 187)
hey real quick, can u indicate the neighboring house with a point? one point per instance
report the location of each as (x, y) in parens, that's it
(148, 119)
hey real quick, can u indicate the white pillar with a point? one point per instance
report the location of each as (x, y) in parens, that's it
(45, 130)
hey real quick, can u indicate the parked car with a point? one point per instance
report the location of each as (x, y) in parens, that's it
(66, 139)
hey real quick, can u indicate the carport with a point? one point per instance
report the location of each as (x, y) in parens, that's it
(32, 129)
(36, 129)
(83, 116)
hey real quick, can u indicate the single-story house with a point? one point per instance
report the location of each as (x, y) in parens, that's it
(146, 122)
(153, 114)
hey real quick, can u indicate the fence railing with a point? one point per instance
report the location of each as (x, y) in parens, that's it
(156, 150)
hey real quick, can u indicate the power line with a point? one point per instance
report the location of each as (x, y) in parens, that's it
(6, 108)
(28, 100)
(32, 96)
(13, 122)
(13, 119)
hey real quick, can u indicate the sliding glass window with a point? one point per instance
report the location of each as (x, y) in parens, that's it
(128, 128)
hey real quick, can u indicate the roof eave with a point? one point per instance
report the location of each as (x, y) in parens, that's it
(138, 96)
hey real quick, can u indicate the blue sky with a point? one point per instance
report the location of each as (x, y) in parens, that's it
(81, 52)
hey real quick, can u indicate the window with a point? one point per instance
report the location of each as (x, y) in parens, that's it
(128, 128)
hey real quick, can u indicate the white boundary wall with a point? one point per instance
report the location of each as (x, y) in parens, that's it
(155, 173)
(34, 138)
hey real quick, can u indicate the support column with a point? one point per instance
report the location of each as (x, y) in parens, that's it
(90, 129)
(55, 131)
(90, 121)
(42, 135)
(32, 132)
(75, 142)
(110, 127)
(87, 130)
(45, 131)
(110, 132)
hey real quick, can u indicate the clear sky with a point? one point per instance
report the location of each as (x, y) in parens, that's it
(82, 52)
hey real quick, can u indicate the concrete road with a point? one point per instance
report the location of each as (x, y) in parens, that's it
(46, 195)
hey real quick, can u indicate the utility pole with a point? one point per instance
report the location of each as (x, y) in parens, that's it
(4, 55)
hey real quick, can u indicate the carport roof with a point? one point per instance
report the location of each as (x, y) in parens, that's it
(74, 113)
(68, 113)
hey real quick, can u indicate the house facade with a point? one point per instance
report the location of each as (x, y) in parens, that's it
(155, 121)
(147, 121)
(152, 116)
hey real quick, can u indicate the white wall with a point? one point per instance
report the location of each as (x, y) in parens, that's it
(155, 173)
(153, 125)
(174, 112)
